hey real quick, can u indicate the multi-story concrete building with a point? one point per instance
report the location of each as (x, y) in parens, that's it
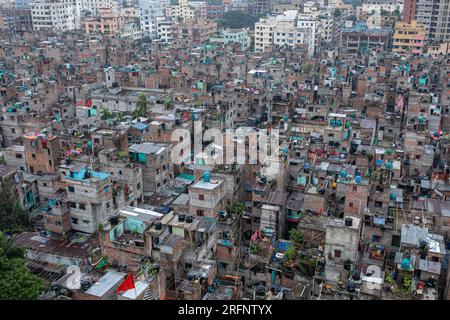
(409, 37)
(157, 167)
(41, 152)
(433, 14)
(55, 15)
(281, 30)
(227, 36)
(207, 197)
(93, 6)
(18, 19)
(311, 23)
(126, 177)
(90, 197)
(359, 38)
(189, 10)
(164, 30)
(149, 11)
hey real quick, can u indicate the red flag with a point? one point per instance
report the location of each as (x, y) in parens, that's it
(127, 284)
(89, 103)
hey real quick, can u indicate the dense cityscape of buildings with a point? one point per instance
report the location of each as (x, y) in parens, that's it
(301, 157)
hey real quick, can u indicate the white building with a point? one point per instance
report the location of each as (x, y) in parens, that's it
(55, 15)
(227, 36)
(327, 28)
(92, 6)
(164, 30)
(280, 30)
(189, 9)
(312, 23)
(149, 11)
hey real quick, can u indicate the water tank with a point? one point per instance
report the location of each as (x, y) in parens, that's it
(206, 176)
(158, 225)
(347, 265)
(181, 217)
(85, 284)
(351, 287)
(189, 219)
(358, 179)
(343, 174)
(356, 275)
(260, 290)
(348, 221)
(222, 216)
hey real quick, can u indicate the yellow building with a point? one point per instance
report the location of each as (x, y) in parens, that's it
(408, 37)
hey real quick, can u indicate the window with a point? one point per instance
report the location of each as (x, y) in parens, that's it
(355, 188)
(200, 213)
(350, 204)
(71, 189)
(337, 253)
(395, 240)
(376, 238)
(201, 197)
(33, 156)
(18, 156)
(108, 204)
(81, 206)
(75, 220)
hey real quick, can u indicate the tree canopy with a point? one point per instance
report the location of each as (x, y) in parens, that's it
(12, 217)
(236, 19)
(141, 107)
(16, 280)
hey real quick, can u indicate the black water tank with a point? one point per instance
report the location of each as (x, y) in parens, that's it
(158, 225)
(351, 287)
(260, 290)
(347, 265)
(348, 222)
(181, 217)
(189, 219)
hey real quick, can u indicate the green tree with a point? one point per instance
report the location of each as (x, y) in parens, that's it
(295, 236)
(141, 107)
(17, 282)
(105, 114)
(291, 253)
(12, 217)
(236, 207)
(120, 117)
(236, 19)
(8, 249)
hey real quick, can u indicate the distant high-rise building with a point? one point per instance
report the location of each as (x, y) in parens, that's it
(55, 15)
(149, 11)
(433, 14)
